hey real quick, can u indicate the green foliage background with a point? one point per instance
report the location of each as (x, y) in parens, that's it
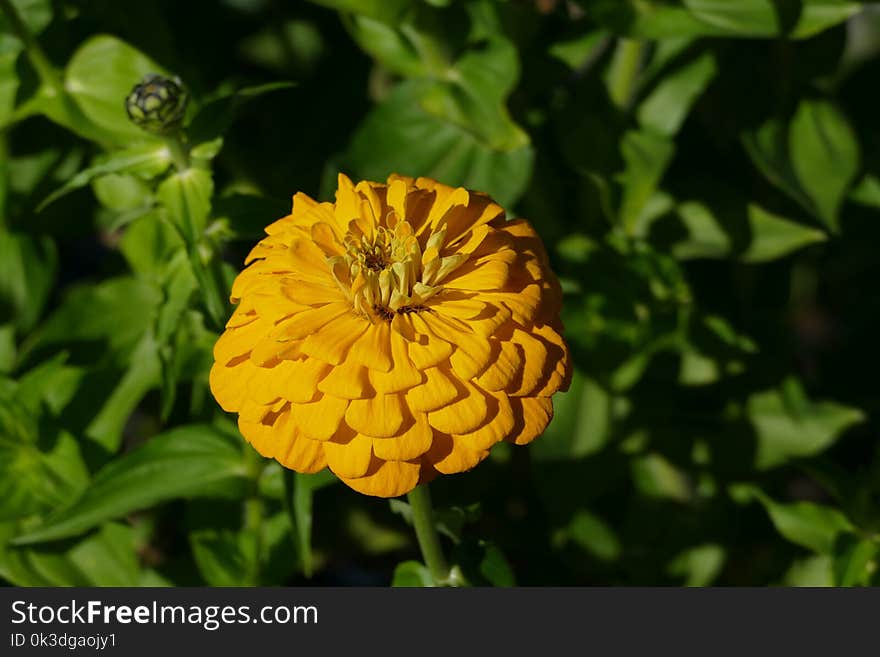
(706, 176)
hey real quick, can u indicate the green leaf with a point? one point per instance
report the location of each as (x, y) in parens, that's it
(774, 237)
(771, 236)
(855, 561)
(100, 75)
(385, 10)
(189, 461)
(824, 156)
(814, 571)
(809, 525)
(581, 423)
(51, 384)
(648, 19)
(790, 426)
(179, 286)
(700, 565)
(655, 476)
(223, 557)
(574, 52)
(145, 160)
(646, 155)
(400, 136)
(108, 557)
(82, 317)
(749, 17)
(8, 350)
(412, 574)
(299, 493)
(27, 272)
(483, 564)
(142, 376)
(814, 159)
(122, 191)
(39, 470)
(387, 43)
(666, 108)
(593, 534)
(186, 196)
(867, 192)
(8, 84)
(148, 244)
(35, 14)
(769, 18)
(453, 126)
(658, 19)
(767, 146)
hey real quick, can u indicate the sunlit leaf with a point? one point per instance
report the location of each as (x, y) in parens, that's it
(824, 155)
(100, 75)
(813, 526)
(145, 160)
(856, 561)
(700, 565)
(412, 574)
(188, 461)
(789, 426)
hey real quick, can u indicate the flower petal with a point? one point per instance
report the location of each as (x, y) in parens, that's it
(347, 381)
(472, 353)
(533, 414)
(238, 341)
(229, 385)
(266, 439)
(502, 424)
(505, 368)
(534, 358)
(403, 374)
(386, 478)
(450, 455)
(310, 321)
(380, 416)
(560, 378)
(351, 458)
(463, 416)
(295, 380)
(320, 419)
(332, 342)
(408, 444)
(310, 293)
(424, 347)
(490, 275)
(304, 455)
(373, 348)
(438, 390)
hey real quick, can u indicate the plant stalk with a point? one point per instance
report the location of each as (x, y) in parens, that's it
(178, 150)
(254, 514)
(48, 75)
(426, 533)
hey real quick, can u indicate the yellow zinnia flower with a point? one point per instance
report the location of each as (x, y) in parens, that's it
(395, 334)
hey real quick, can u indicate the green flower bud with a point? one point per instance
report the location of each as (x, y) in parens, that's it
(157, 104)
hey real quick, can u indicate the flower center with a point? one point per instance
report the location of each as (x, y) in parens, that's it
(388, 272)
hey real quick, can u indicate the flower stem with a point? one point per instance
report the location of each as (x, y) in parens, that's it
(426, 533)
(48, 75)
(178, 150)
(254, 514)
